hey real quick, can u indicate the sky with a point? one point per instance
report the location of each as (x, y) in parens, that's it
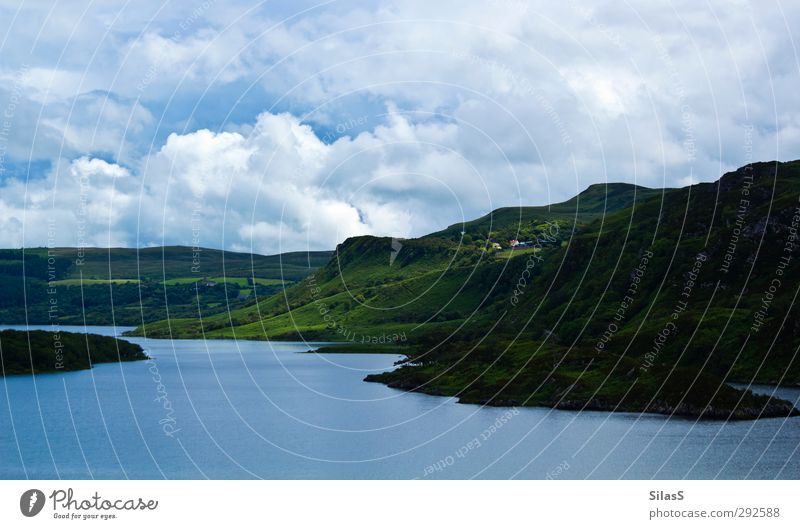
(290, 125)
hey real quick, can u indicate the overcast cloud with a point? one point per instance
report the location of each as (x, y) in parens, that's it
(280, 126)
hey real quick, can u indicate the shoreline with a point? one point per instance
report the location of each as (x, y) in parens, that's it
(774, 407)
(38, 351)
(781, 408)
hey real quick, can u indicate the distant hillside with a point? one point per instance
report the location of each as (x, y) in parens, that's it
(170, 262)
(128, 286)
(624, 298)
(433, 280)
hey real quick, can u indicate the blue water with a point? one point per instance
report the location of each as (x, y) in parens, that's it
(228, 409)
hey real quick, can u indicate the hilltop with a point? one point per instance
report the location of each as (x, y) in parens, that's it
(625, 298)
(594, 202)
(398, 285)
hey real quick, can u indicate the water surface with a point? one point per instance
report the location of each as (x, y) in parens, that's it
(225, 409)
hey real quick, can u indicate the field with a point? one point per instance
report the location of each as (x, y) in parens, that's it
(241, 282)
(129, 286)
(516, 252)
(583, 324)
(85, 281)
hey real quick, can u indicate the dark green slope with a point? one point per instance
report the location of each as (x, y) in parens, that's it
(169, 262)
(379, 285)
(36, 352)
(567, 322)
(590, 331)
(362, 290)
(127, 286)
(514, 222)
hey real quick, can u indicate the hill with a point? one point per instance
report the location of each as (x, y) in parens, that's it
(624, 299)
(128, 286)
(594, 202)
(36, 352)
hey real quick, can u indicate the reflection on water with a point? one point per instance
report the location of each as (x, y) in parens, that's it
(226, 409)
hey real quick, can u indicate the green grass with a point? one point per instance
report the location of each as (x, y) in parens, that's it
(128, 286)
(181, 281)
(515, 252)
(242, 282)
(170, 262)
(359, 348)
(595, 202)
(73, 282)
(454, 302)
(44, 352)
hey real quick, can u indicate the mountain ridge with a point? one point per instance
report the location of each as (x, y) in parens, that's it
(128, 286)
(629, 299)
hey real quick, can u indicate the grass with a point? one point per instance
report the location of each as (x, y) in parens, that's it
(73, 282)
(515, 252)
(43, 352)
(242, 282)
(148, 283)
(480, 319)
(170, 262)
(358, 348)
(181, 281)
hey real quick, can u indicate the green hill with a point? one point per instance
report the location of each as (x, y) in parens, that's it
(594, 202)
(36, 352)
(128, 286)
(370, 287)
(650, 308)
(169, 262)
(625, 298)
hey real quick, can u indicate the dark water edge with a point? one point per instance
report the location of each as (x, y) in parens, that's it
(242, 410)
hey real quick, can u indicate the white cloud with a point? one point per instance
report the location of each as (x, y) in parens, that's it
(425, 112)
(278, 187)
(81, 203)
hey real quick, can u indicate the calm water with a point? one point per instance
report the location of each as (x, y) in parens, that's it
(261, 410)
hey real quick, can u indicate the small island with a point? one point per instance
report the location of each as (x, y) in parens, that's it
(35, 352)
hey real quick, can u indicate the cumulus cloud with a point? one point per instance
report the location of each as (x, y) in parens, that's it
(276, 187)
(293, 125)
(79, 203)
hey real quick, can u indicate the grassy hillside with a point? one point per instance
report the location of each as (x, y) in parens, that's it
(169, 262)
(650, 308)
(371, 288)
(129, 286)
(42, 351)
(626, 298)
(519, 222)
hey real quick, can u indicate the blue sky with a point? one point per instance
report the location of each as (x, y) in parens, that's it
(280, 126)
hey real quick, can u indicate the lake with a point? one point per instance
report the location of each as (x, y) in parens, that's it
(225, 409)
